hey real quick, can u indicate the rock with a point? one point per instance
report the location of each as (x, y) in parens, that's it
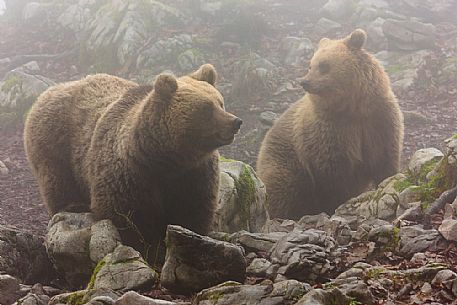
(379, 204)
(386, 237)
(281, 293)
(324, 26)
(23, 256)
(409, 35)
(133, 298)
(431, 10)
(190, 60)
(324, 297)
(339, 9)
(123, 269)
(19, 90)
(36, 296)
(423, 158)
(304, 255)
(414, 118)
(375, 35)
(90, 296)
(9, 289)
(414, 239)
(194, 262)
(116, 30)
(448, 229)
(36, 13)
(162, 53)
(3, 169)
(295, 50)
(268, 118)
(260, 267)
(444, 278)
(256, 242)
(75, 243)
(242, 199)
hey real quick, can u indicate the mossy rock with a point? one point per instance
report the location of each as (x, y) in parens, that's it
(242, 198)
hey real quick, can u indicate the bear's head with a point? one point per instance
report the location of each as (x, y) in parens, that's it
(341, 71)
(193, 112)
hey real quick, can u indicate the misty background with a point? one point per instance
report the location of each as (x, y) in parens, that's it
(259, 48)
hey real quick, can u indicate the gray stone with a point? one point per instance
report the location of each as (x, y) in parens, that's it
(123, 270)
(414, 239)
(256, 242)
(259, 267)
(339, 9)
(409, 35)
(36, 12)
(324, 297)
(324, 26)
(23, 256)
(18, 89)
(414, 118)
(194, 262)
(304, 255)
(75, 243)
(133, 298)
(448, 229)
(295, 50)
(423, 157)
(9, 289)
(190, 60)
(281, 293)
(444, 278)
(242, 199)
(268, 118)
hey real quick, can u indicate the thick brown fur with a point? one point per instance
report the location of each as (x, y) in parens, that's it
(345, 134)
(140, 156)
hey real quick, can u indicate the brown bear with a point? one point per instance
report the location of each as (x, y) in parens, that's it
(345, 134)
(142, 156)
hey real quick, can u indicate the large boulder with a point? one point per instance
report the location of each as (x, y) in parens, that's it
(23, 256)
(242, 199)
(409, 35)
(75, 243)
(194, 262)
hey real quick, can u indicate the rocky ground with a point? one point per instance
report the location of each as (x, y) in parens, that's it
(259, 49)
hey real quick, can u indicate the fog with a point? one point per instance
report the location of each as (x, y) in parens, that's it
(261, 50)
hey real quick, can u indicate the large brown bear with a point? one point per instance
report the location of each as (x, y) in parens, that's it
(142, 156)
(345, 134)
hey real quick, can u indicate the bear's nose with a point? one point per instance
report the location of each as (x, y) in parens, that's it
(305, 84)
(237, 123)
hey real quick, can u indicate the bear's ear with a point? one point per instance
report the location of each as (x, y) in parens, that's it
(205, 73)
(323, 42)
(165, 85)
(356, 40)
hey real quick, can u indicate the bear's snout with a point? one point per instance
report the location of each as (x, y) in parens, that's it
(237, 124)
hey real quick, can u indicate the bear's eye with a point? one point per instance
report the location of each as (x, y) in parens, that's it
(324, 67)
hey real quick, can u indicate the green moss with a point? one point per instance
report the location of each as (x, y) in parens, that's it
(401, 185)
(454, 136)
(354, 302)
(214, 297)
(392, 69)
(224, 159)
(11, 82)
(425, 169)
(374, 273)
(76, 298)
(245, 187)
(94, 274)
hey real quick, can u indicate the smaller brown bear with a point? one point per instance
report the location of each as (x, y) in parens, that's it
(142, 156)
(343, 135)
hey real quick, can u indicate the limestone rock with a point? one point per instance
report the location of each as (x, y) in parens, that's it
(304, 255)
(242, 199)
(296, 50)
(194, 262)
(3, 169)
(424, 157)
(133, 298)
(409, 35)
(76, 242)
(123, 269)
(324, 297)
(9, 289)
(23, 256)
(281, 293)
